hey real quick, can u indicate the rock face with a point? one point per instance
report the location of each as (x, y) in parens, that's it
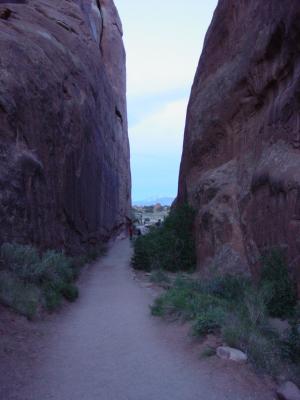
(241, 160)
(64, 151)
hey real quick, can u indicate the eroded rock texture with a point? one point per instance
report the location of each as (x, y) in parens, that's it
(241, 160)
(64, 152)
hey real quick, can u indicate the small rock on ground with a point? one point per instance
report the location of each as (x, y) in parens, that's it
(228, 353)
(288, 391)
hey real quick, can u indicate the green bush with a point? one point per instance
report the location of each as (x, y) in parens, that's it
(275, 275)
(30, 280)
(70, 292)
(230, 305)
(170, 247)
(22, 297)
(209, 321)
(158, 308)
(208, 352)
(55, 268)
(247, 328)
(185, 300)
(52, 296)
(158, 276)
(263, 351)
(227, 287)
(291, 346)
(94, 252)
(21, 260)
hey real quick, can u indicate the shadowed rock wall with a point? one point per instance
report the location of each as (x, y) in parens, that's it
(64, 152)
(241, 160)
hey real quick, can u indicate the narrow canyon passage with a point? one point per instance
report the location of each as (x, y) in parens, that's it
(108, 347)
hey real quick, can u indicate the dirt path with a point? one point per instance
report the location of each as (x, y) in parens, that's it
(108, 347)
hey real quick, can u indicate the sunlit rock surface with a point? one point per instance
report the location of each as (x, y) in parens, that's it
(64, 152)
(241, 160)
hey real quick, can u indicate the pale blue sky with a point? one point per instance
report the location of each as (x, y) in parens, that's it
(163, 40)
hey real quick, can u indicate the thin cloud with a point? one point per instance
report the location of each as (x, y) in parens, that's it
(163, 41)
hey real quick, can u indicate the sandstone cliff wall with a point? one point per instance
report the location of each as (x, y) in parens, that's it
(241, 160)
(64, 152)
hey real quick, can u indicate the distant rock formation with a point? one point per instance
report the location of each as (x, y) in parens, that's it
(64, 151)
(241, 159)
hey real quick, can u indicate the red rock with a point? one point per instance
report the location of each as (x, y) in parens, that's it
(241, 166)
(64, 152)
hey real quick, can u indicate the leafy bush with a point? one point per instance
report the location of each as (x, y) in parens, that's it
(275, 274)
(170, 247)
(30, 280)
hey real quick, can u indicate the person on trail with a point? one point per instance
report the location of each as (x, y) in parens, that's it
(129, 227)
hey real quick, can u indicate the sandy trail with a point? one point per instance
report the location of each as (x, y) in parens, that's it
(107, 346)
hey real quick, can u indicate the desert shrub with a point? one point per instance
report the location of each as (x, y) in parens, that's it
(70, 292)
(176, 302)
(15, 254)
(158, 307)
(94, 252)
(56, 268)
(275, 274)
(231, 306)
(184, 300)
(31, 280)
(227, 287)
(263, 351)
(22, 297)
(52, 297)
(209, 321)
(208, 352)
(21, 260)
(291, 345)
(170, 247)
(247, 328)
(253, 309)
(158, 276)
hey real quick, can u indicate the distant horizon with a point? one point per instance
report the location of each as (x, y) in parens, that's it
(161, 64)
(154, 200)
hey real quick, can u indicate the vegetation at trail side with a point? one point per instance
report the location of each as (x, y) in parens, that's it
(170, 247)
(30, 281)
(284, 293)
(240, 312)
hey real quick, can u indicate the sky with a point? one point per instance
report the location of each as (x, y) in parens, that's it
(163, 41)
